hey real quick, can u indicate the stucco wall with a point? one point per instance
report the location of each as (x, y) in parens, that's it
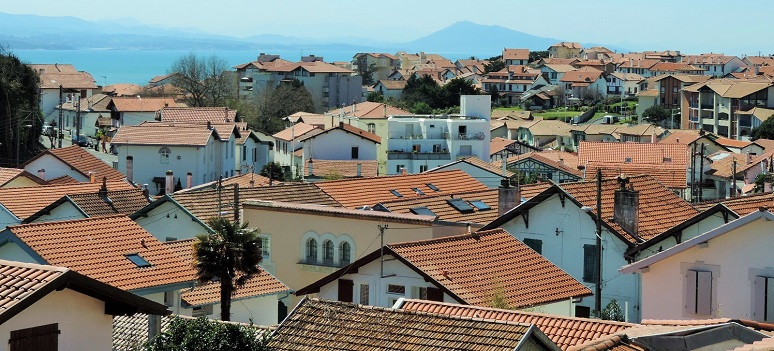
(337, 145)
(178, 225)
(54, 168)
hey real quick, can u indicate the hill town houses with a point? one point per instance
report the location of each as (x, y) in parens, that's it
(547, 212)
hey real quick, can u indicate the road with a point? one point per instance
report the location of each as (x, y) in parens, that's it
(67, 141)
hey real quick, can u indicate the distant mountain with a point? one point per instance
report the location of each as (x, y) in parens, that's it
(478, 40)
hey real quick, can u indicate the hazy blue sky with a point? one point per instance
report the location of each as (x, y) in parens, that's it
(693, 26)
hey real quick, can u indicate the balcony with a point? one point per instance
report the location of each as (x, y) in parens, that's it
(706, 106)
(410, 155)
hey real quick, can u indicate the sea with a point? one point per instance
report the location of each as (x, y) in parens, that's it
(139, 66)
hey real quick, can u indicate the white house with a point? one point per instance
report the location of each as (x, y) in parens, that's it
(417, 143)
(331, 144)
(83, 114)
(150, 152)
(131, 111)
(72, 161)
(466, 269)
(288, 144)
(706, 277)
(56, 308)
(60, 83)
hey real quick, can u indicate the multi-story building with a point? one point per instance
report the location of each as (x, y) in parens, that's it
(61, 83)
(565, 49)
(516, 57)
(383, 64)
(722, 106)
(717, 65)
(417, 143)
(247, 71)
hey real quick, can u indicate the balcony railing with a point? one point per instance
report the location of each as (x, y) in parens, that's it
(410, 155)
(437, 136)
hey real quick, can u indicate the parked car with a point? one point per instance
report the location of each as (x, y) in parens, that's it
(82, 140)
(47, 131)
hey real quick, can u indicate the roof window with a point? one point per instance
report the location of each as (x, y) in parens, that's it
(396, 193)
(432, 187)
(424, 211)
(480, 205)
(460, 205)
(419, 192)
(138, 260)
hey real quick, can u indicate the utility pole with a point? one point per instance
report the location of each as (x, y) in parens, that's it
(693, 173)
(732, 191)
(220, 201)
(59, 127)
(381, 248)
(701, 173)
(598, 292)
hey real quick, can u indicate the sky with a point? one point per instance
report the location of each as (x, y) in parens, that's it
(692, 26)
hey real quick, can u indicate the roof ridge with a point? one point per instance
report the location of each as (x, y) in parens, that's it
(67, 221)
(472, 235)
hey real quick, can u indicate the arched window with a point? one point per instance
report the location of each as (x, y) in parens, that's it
(311, 251)
(345, 255)
(328, 252)
(164, 152)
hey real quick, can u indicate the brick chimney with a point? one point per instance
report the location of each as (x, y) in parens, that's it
(508, 197)
(626, 206)
(130, 169)
(169, 185)
(188, 180)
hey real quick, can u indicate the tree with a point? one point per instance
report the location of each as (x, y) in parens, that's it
(763, 131)
(374, 96)
(231, 255)
(20, 114)
(612, 312)
(365, 70)
(494, 64)
(204, 81)
(203, 334)
(451, 91)
(274, 171)
(424, 89)
(655, 114)
(276, 103)
(537, 55)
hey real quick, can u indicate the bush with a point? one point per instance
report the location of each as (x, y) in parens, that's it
(203, 334)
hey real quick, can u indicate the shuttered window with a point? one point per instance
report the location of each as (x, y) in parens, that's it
(534, 244)
(590, 263)
(698, 292)
(41, 338)
(764, 299)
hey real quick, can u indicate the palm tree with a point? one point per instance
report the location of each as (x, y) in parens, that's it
(231, 254)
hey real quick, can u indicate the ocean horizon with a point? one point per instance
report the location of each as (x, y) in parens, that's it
(139, 66)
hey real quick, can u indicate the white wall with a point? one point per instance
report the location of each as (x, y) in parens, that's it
(688, 233)
(337, 145)
(54, 168)
(81, 320)
(734, 258)
(261, 310)
(65, 211)
(162, 227)
(147, 163)
(487, 178)
(576, 228)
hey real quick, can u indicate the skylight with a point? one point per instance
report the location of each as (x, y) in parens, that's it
(480, 205)
(138, 260)
(419, 192)
(460, 205)
(422, 211)
(432, 187)
(396, 193)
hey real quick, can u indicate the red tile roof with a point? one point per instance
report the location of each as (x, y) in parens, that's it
(673, 177)
(9, 174)
(82, 162)
(62, 180)
(637, 153)
(608, 343)
(344, 326)
(357, 192)
(140, 104)
(98, 248)
(368, 110)
(296, 132)
(472, 266)
(341, 168)
(563, 331)
(440, 206)
(163, 135)
(246, 180)
(52, 76)
(114, 202)
(198, 115)
(26, 201)
(742, 205)
(559, 160)
(348, 128)
(738, 144)
(515, 54)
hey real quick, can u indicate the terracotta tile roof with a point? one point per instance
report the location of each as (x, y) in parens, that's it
(440, 206)
(98, 248)
(261, 284)
(340, 212)
(342, 168)
(122, 89)
(123, 202)
(618, 342)
(312, 67)
(62, 180)
(568, 44)
(732, 88)
(648, 93)
(559, 160)
(472, 266)
(561, 67)
(82, 162)
(26, 201)
(659, 207)
(579, 76)
(673, 177)
(723, 163)
(357, 192)
(308, 118)
(515, 54)
(297, 131)
(9, 174)
(198, 115)
(681, 137)
(550, 128)
(742, 205)
(246, 180)
(204, 203)
(767, 344)
(495, 169)
(628, 76)
(766, 144)
(636, 153)
(368, 110)
(499, 144)
(348, 128)
(142, 104)
(52, 76)
(738, 144)
(392, 84)
(529, 191)
(163, 135)
(565, 332)
(675, 67)
(313, 323)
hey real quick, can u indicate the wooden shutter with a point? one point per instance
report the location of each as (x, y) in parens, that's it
(763, 299)
(590, 263)
(690, 292)
(703, 293)
(41, 338)
(434, 294)
(345, 290)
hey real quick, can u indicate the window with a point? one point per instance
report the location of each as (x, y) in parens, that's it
(265, 247)
(460, 205)
(480, 205)
(164, 152)
(345, 252)
(437, 148)
(328, 252)
(244, 152)
(534, 244)
(396, 289)
(138, 260)
(419, 192)
(590, 272)
(422, 211)
(422, 168)
(311, 251)
(416, 148)
(202, 311)
(364, 298)
(396, 193)
(355, 152)
(698, 292)
(432, 187)
(371, 128)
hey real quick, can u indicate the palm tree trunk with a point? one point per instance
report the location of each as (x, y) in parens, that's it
(225, 299)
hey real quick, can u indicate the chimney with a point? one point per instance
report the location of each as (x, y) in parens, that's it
(749, 157)
(91, 177)
(341, 124)
(103, 189)
(508, 197)
(130, 169)
(626, 206)
(359, 170)
(311, 167)
(169, 185)
(403, 171)
(209, 125)
(188, 180)
(145, 192)
(42, 173)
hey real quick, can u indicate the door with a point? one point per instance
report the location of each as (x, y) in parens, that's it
(346, 287)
